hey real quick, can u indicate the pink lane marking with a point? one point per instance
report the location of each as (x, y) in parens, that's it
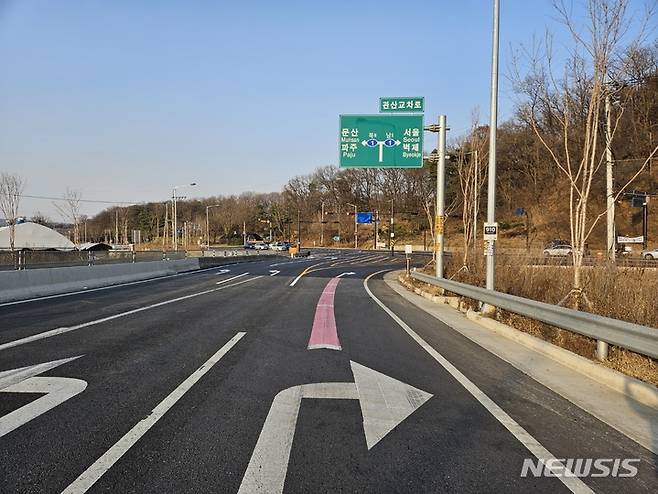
(324, 333)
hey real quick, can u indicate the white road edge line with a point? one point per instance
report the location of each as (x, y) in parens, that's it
(231, 278)
(567, 477)
(90, 476)
(58, 331)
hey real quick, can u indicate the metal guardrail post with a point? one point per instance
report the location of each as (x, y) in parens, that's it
(601, 350)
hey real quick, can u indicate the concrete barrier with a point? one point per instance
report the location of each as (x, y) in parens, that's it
(33, 283)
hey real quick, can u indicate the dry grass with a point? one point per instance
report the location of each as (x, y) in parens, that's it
(629, 294)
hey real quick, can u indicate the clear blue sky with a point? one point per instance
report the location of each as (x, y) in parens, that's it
(122, 99)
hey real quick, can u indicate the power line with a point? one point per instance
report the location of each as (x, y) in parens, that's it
(129, 203)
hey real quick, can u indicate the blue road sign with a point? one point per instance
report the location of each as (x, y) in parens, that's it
(364, 218)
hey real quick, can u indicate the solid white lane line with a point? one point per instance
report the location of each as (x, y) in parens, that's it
(565, 476)
(58, 331)
(90, 476)
(68, 294)
(231, 278)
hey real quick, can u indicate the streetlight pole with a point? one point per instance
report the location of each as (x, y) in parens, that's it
(493, 122)
(208, 224)
(175, 212)
(356, 227)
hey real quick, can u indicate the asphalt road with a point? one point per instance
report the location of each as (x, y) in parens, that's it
(194, 384)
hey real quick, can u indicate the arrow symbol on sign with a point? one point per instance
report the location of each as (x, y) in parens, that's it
(274, 272)
(345, 274)
(23, 380)
(385, 403)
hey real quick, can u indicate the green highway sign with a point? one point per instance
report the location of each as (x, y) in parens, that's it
(381, 141)
(402, 105)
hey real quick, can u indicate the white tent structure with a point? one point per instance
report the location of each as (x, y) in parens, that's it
(35, 237)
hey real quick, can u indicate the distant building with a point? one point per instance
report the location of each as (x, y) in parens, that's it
(32, 236)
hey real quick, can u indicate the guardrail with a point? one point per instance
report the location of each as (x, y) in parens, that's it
(634, 337)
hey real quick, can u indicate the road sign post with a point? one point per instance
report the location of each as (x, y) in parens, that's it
(381, 141)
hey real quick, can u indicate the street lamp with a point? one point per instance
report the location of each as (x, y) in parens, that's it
(208, 225)
(175, 211)
(493, 122)
(356, 227)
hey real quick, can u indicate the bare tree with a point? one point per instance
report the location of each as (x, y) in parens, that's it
(40, 218)
(70, 211)
(566, 113)
(470, 158)
(11, 188)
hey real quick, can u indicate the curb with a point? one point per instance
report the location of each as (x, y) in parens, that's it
(635, 389)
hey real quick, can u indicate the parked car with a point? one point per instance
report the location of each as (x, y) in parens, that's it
(279, 246)
(249, 246)
(650, 254)
(555, 242)
(560, 250)
(262, 246)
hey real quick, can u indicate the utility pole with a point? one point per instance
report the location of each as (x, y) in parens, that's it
(244, 233)
(609, 180)
(493, 123)
(476, 197)
(356, 227)
(116, 226)
(391, 234)
(645, 222)
(299, 230)
(377, 230)
(174, 212)
(165, 228)
(440, 196)
(322, 226)
(174, 216)
(439, 221)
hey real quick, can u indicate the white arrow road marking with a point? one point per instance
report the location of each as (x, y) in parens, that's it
(385, 402)
(567, 477)
(345, 274)
(223, 271)
(22, 380)
(231, 278)
(90, 476)
(274, 272)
